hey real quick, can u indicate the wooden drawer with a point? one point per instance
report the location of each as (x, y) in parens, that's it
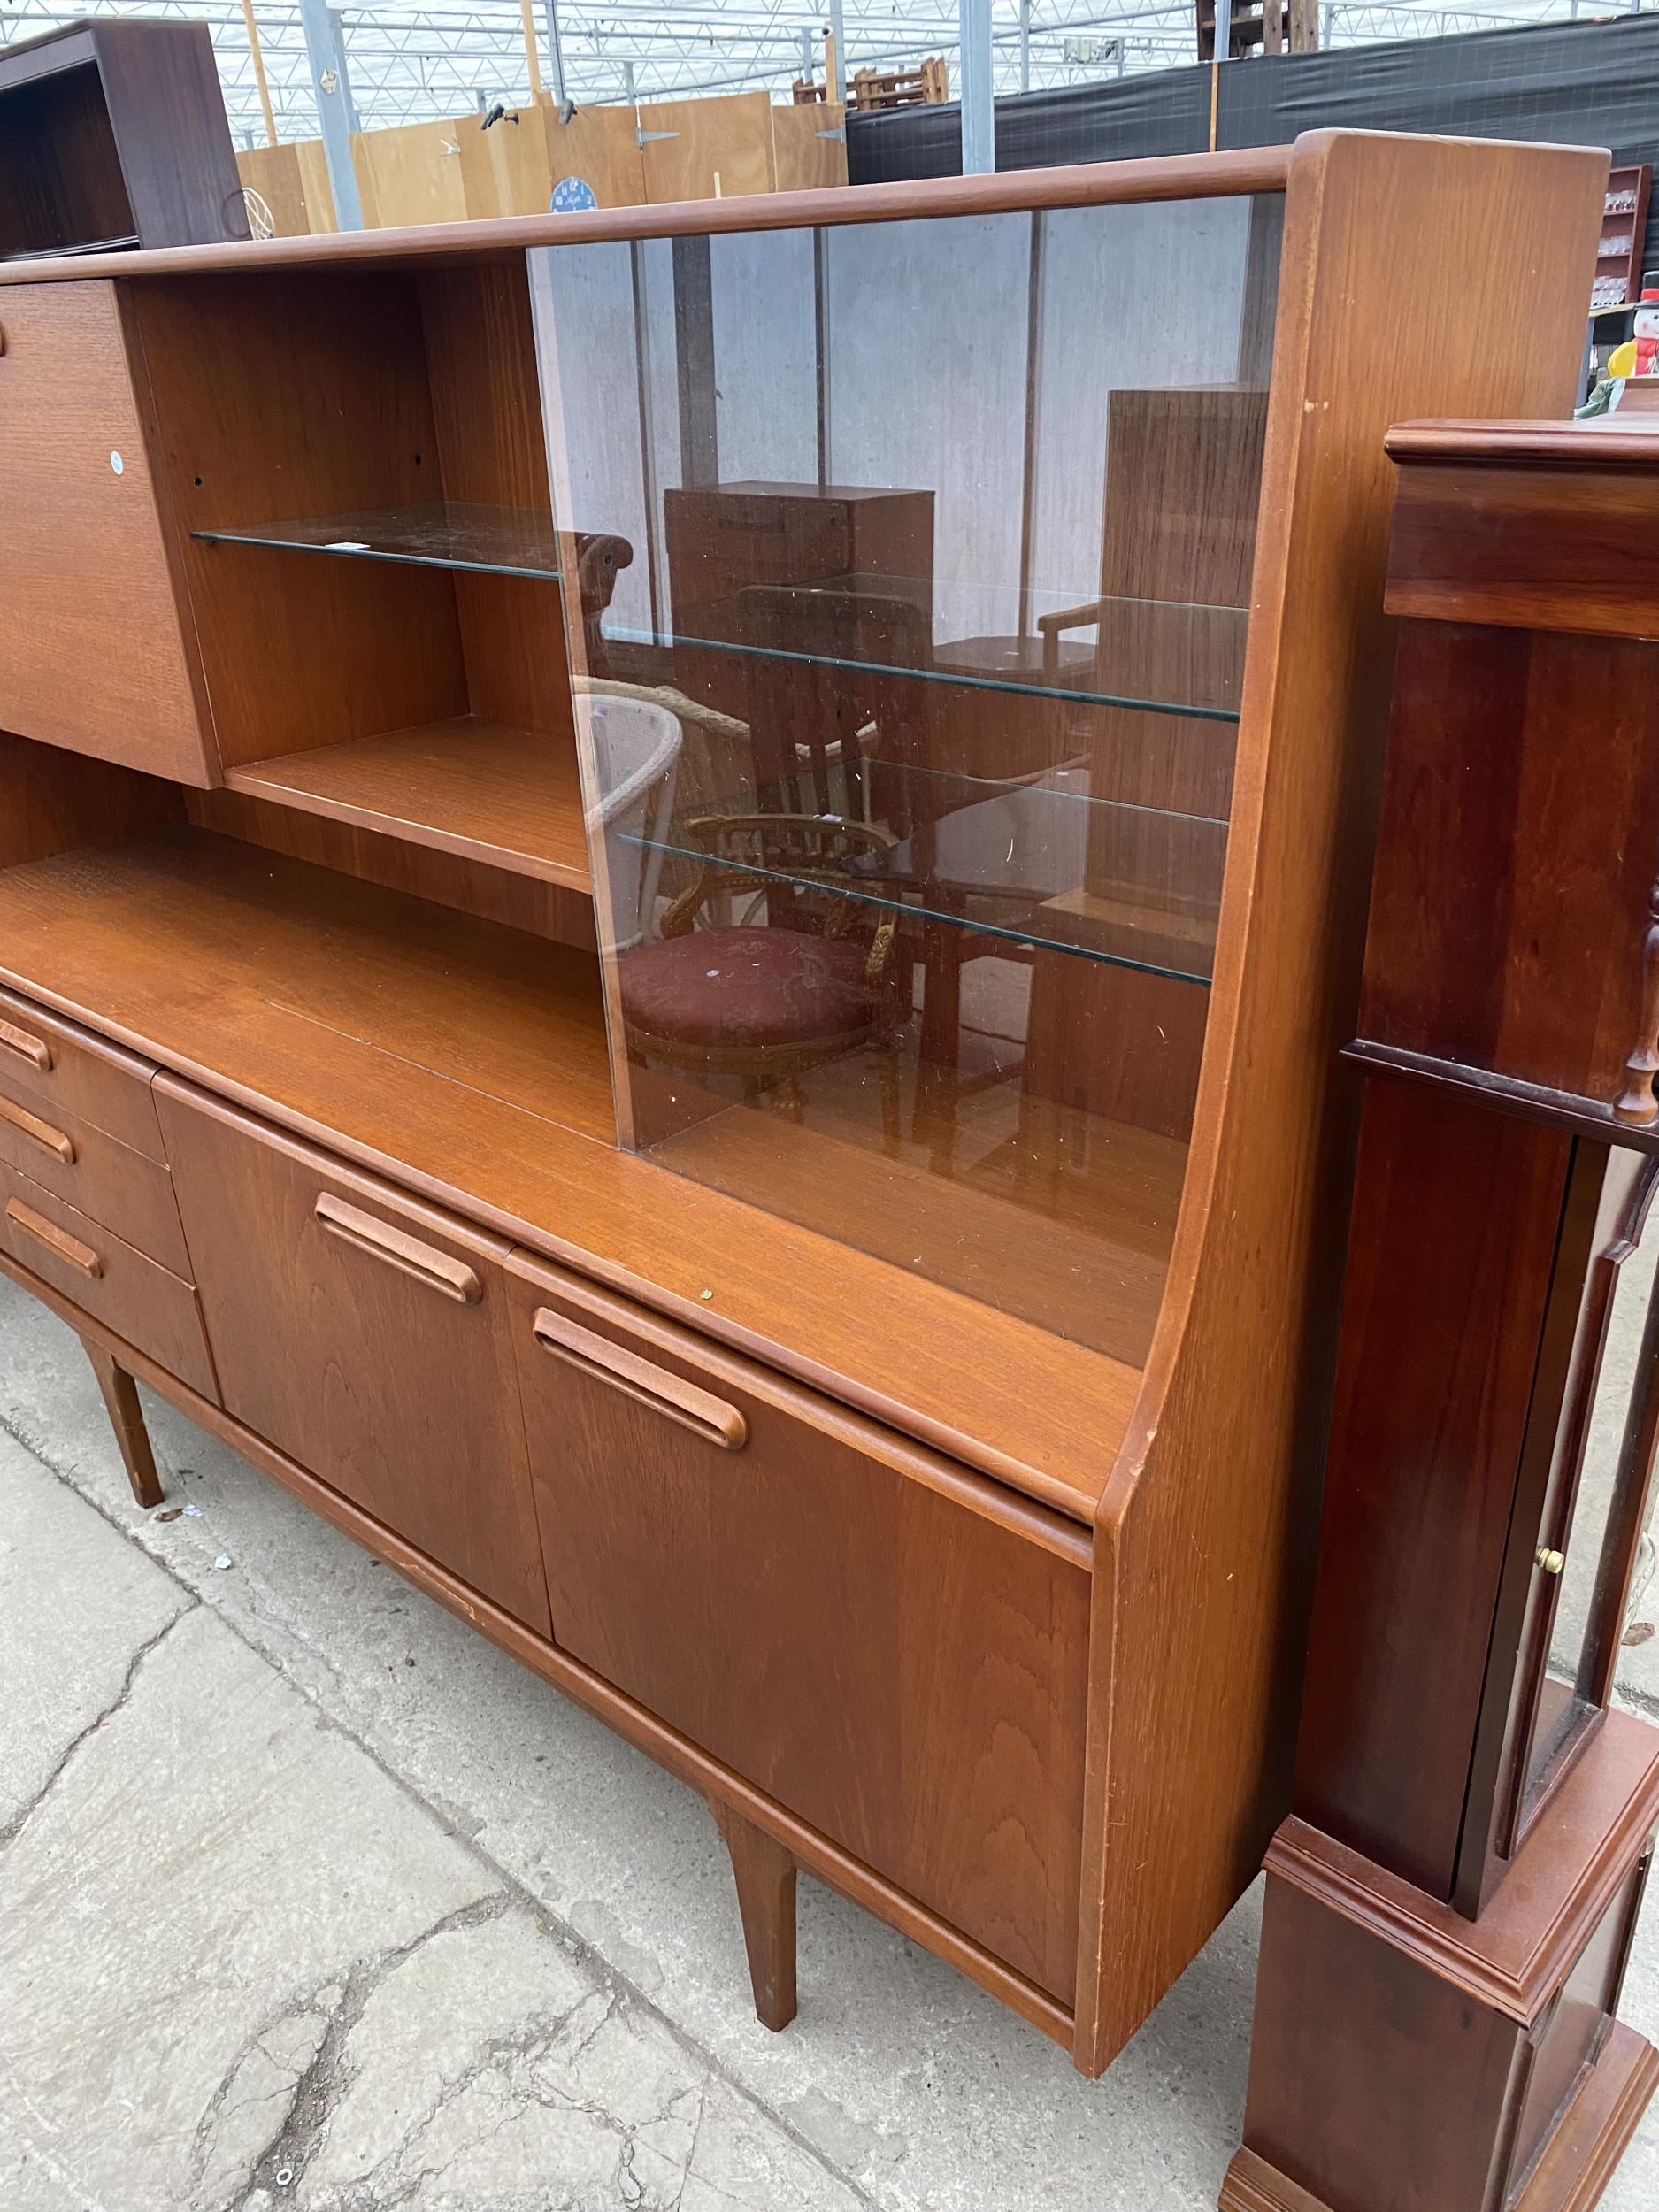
(107, 1181)
(147, 1304)
(365, 1334)
(891, 1648)
(93, 654)
(51, 1065)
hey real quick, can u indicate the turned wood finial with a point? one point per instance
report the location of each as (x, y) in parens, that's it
(1636, 1102)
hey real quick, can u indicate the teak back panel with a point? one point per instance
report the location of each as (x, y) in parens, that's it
(289, 395)
(96, 657)
(486, 406)
(905, 1673)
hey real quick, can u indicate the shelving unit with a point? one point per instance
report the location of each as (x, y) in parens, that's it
(876, 1368)
(113, 135)
(1623, 230)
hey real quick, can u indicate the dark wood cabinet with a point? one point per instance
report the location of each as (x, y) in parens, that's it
(1451, 1904)
(113, 134)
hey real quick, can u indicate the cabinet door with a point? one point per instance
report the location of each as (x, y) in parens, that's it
(93, 655)
(363, 1334)
(901, 1665)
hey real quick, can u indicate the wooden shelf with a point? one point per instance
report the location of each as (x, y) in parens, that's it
(486, 791)
(271, 970)
(468, 1060)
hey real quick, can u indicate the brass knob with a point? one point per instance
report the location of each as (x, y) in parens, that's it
(1551, 1562)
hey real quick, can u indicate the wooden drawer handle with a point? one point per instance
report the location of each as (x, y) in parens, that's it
(36, 1050)
(39, 1132)
(55, 1239)
(405, 1253)
(711, 1417)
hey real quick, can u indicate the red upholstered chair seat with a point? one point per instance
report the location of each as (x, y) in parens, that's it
(719, 989)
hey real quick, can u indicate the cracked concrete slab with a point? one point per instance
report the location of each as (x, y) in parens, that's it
(60, 1571)
(900, 2088)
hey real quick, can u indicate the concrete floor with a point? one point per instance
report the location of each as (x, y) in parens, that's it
(309, 1897)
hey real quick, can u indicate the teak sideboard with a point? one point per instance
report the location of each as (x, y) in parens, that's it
(679, 888)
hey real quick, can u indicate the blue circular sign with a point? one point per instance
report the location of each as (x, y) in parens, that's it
(574, 196)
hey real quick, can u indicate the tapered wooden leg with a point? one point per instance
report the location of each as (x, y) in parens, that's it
(765, 1873)
(126, 1419)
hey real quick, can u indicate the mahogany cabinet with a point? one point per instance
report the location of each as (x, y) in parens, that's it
(788, 1167)
(1452, 1902)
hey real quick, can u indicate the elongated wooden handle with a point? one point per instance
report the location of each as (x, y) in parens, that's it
(424, 1261)
(36, 1050)
(55, 1239)
(39, 1132)
(665, 1393)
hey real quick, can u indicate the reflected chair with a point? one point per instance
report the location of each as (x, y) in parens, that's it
(766, 1000)
(636, 751)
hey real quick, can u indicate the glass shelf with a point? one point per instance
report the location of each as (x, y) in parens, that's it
(1116, 635)
(1040, 865)
(1092, 661)
(447, 534)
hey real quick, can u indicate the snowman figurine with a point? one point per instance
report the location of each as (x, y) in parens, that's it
(1638, 356)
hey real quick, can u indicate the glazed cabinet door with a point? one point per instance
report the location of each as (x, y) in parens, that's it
(94, 654)
(363, 1334)
(885, 1644)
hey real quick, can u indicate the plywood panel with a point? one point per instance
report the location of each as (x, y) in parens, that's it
(314, 181)
(504, 170)
(274, 173)
(805, 153)
(410, 175)
(709, 150)
(601, 146)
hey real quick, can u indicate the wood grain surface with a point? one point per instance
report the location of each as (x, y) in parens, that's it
(97, 654)
(152, 1306)
(468, 1060)
(1176, 177)
(388, 1388)
(918, 1695)
(487, 791)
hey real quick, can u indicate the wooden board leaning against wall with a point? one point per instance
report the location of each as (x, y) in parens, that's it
(453, 170)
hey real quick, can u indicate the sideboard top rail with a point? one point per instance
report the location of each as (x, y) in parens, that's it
(1170, 177)
(1604, 441)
